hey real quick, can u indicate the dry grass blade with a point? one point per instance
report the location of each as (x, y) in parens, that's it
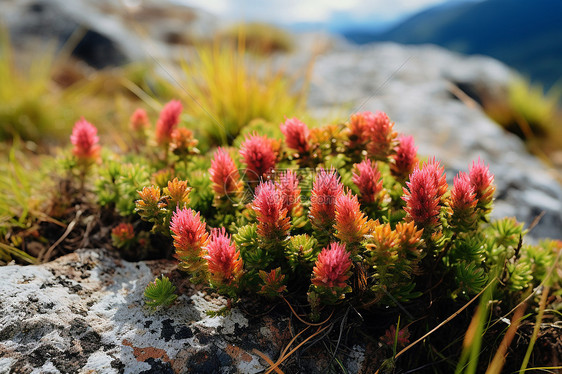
(285, 356)
(268, 360)
(499, 358)
(284, 350)
(542, 306)
(17, 252)
(45, 255)
(302, 320)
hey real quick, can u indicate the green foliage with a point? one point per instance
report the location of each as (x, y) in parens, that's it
(301, 251)
(118, 183)
(471, 278)
(254, 255)
(161, 292)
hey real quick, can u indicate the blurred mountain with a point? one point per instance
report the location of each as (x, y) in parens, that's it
(525, 34)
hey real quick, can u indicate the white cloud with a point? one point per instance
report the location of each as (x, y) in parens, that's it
(290, 11)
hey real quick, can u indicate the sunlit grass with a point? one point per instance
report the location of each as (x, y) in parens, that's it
(27, 98)
(260, 38)
(532, 114)
(225, 90)
(20, 202)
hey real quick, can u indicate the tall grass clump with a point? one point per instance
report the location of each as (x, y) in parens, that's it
(260, 38)
(225, 89)
(28, 100)
(532, 114)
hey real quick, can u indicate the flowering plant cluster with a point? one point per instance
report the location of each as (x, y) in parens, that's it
(344, 213)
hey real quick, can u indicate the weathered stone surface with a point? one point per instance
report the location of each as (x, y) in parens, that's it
(109, 32)
(413, 85)
(84, 313)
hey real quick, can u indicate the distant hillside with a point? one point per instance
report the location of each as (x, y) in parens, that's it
(525, 34)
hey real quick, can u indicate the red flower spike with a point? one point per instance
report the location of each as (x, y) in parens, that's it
(332, 269)
(296, 135)
(350, 221)
(273, 222)
(139, 120)
(483, 183)
(272, 282)
(367, 178)
(223, 259)
(85, 140)
(182, 142)
(188, 232)
(224, 174)
(259, 155)
(405, 158)
(426, 189)
(289, 190)
(123, 232)
(325, 191)
(381, 136)
(463, 203)
(168, 121)
(358, 125)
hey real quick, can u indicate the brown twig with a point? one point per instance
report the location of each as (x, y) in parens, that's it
(45, 255)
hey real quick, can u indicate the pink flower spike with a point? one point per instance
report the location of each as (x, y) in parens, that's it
(224, 174)
(85, 140)
(350, 221)
(426, 189)
(367, 178)
(188, 232)
(223, 259)
(483, 183)
(332, 269)
(273, 222)
(139, 120)
(325, 190)
(381, 136)
(289, 190)
(358, 125)
(168, 121)
(259, 156)
(296, 135)
(405, 158)
(463, 203)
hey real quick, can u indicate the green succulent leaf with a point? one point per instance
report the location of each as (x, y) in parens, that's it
(160, 292)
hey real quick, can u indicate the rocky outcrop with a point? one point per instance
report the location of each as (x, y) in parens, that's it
(108, 33)
(419, 87)
(85, 313)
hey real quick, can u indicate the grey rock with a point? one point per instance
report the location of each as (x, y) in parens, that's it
(84, 312)
(108, 32)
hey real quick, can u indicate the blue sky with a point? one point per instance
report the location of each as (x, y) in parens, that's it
(320, 12)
